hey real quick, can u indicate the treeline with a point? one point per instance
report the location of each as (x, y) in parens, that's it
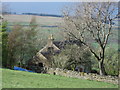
(37, 14)
(5, 13)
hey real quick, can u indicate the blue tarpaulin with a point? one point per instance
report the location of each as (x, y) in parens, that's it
(21, 69)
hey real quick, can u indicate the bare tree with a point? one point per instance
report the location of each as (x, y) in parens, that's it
(91, 22)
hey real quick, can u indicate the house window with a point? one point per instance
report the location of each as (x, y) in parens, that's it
(50, 49)
(41, 64)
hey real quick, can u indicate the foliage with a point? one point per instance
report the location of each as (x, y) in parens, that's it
(21, 79)
(72, 56)
(59, 61)
(4, 44)
(111, 61)
(22, 44)
(14, 44)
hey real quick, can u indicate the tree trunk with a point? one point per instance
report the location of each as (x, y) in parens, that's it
(102, 68)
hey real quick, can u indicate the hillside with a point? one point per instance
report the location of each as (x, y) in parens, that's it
(46, 25)
(41, 20)
(21, 79)
(49, 25)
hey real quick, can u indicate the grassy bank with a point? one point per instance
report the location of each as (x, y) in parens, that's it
(21, 79)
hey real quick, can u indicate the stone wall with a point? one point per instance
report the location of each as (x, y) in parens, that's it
(90, 76)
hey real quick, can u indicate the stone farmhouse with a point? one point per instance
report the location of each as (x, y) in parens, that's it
(42, 60)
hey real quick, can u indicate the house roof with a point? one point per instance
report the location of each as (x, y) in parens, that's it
(45, 49)
(49, 45)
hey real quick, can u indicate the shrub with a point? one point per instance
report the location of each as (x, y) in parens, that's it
(111, 62)
(72, 56)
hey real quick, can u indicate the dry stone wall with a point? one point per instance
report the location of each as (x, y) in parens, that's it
(90, 76)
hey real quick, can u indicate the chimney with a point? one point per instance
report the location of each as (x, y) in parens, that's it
(50, 40)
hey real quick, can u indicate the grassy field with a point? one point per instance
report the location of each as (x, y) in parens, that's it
(21, 79)
(41, 20)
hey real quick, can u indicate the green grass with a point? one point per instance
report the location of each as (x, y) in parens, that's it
(109, 45)
(44, 33)
(21, 79)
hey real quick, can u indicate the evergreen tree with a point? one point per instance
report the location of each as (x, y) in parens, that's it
(4, 44)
